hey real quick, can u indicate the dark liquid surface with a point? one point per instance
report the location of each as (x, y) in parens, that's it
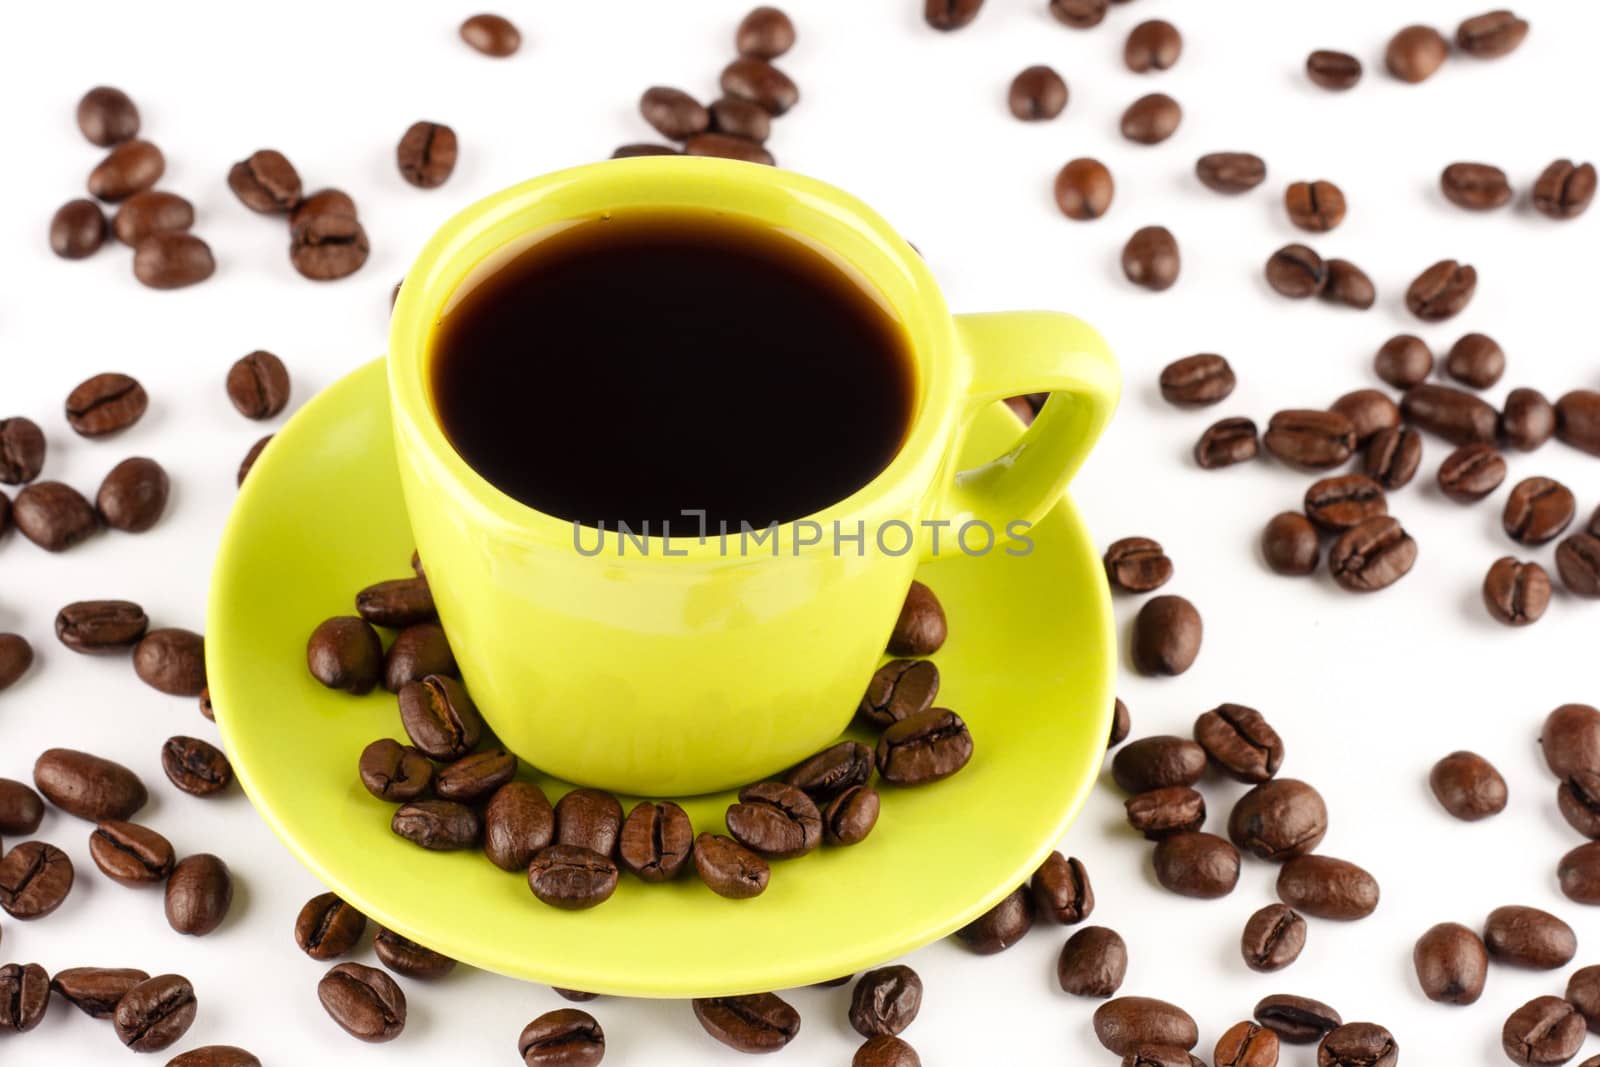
(628, 369)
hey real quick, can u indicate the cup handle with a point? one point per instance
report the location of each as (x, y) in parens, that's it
(1012, 353)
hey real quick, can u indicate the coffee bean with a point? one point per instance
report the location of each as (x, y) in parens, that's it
(1093, 962)
(565, 1037)
(199, 894)
(22, 449)
(1471, 473)
(405, 957)
(440, 718)
(1290, 544)
(1594, 524)
(171, 259)
(1166, 636)
(885, 1001)
(1442, 290)
(1583, 993)
(728, 868)
(96, 625)
(258, 385)
(740, 118)
(345, 653)
(1198, 380)
(925, 747)
(1579, 874)
(1571, 740)
(1415, 53)
(130, 854)
(775, 820)
(1240, 742)
(1475, 186)
(1491, 35)
(1528, 937)
(1310, 440)
(1157, 763)
(1476, 360)
(1314, 206)
(418, 651)
(1544, 1030)
(328, 247)
(885, 1051)
(1564, 190)
(77, 229)
(1121, 723)
(1126, 1023)
(251, 456)
(1349, 285)
(518, 822)
(327, 927)
(921, 628)
(831, 771)
(849, 817)
(1061, 890)
(1160, 813)
(1297, 1020)
(126, 169)
(195, 766)
(215, 1056)
(1393, 456)
(437, 825)
(1137, 565)
(1084, 189)
(627, 151)
(656, 841)
(21, 810)
(96, 990)
(1151, 119)
(898, 690)
(761, 83)
(723, 146)
(133, 495)
(1578, 799)
(34, 879)
(1358, 1045)
(151, 211)
(1451, 964)
(1079, 14)
(1404, 361)
(324, 202)
(24, 996)
(364, 1001)
(1226, 442)
(1197, 865)
(1279, 820)
(589, 818)
(1578, 421)
(1344, 501)
(1456, 416)
(1230, 172)
(54, 516)
(16, 656)
(87, 786)
(1327, 888)
(426, 154)
(154, 1014)
(950, 14)
(107, 116)
(1527, 419)
(1516, 593)
(1468, 786)
(1273, 938)
(1002, 925)
(1538, 510)
(758, 1022)
(473, 778)
(1246, 1044)
(1372, 556)
(492, 35)
(266, 181)
(765, 33)
(675, 114)
(1152, 45)
(1578, 563)
(1150, 259)
(1296, 272)
(172, 661)
(1333, 70)
(1036, 94)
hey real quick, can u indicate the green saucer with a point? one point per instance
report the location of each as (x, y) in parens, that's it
(1029, 665)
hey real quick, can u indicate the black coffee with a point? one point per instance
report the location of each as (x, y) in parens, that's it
(629, 368)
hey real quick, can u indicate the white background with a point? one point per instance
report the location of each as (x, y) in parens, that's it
(1368, 691)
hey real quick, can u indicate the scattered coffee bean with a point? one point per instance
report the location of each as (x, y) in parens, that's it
(133, 495)
(1476, 360)
(107, 116)
(22, 449)
(898, 690)
(1327, 888)
(1544, 1030)
(1297, 1020)
(324, 202)
(1404, 361)
(1571, 740)
(1578, 799)
(1442, 290)
(172, 661)
(724, 146)
(1314, 206)
(773, 820)
(1152, 45)
(77, 229)
(327, 247)
(130, 854)
(1036, 94)
(1290, 544)
(1475, 186)
(1468, 786)
(364, 1001)
(1296, 272)
(16, 656)
(566, 1037)
(1393, 456)
(1310, 440)
(1578, 563)
(1240, 742)
(950, 14)
(1126, 1024)
(1579, 874)
(1333, 70)
(1344, 501)
(251, 456)
(1471, 473)
(1564, 190)
(740, 118)
(1451, 963)
(258, 385)
(518, 822)
(1150, 258)
(21, 810)
(1197, 865)
(426, 154)
(1166, 636)
(345, 653)
(1415, 53)
(675, 114)
(265, 181)
(1528, 937)
(1578, 420)
(1002, 925)
(1246, 1044)
(761, 83)
(473, 778)
(1459, 417)
(95, 991)
(1226, 442)
(154, 1014)
(589, 818)
(849, 817)
(1084, 189)
(87, 786)
(1349, 285)
(171, 259)
(493, 35)
(923, 748)
(440, 718)
(437, 825)
(831, 771)
(398, 603)
(1358, 1045)
(1061, 890)
(1151, 119)
(1491, 35)
(1160, 813)
(54, 516)
(1516, 593)
(197, 767)
(128, 168)
(1273, 938)
(105, 404)
(1079, 14)
(1279, 820)
(1230, 172)
(199, 894)
(215, 1056)
(728, 868)
(885, 1001)
(418, 651)
(1137, 565)
(885, 1051)
(1372, 556)
(34, 879)
(1093, 962)
(1195, 381)
(758, 1022)
(656, 841)
(1527, 420)
(1538, 510)
(405, 957)
(327, 927)
(1157, 763)
(921, 628)
(765, 33)
(97, 625)
(627, 151)
(1583, 993)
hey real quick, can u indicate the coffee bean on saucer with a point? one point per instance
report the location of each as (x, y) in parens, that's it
(589, 818)
(265, 181)
(1161, 813)
(1166, 636)
(1578, 423)
(1516, 593)
(87, 786)
(1544, 1030)
(1529, 937)
(1195, 381)
(154, 1014)
(1152, 45)
(1475, 186)
(1451, 964)
(1333, 70)
(739, 118)
(1579, 874)
(757, 1022)
(21, 810)
(172, 259)
(53, 516)
(95, 991)
(150, 211)
(675, 114)
(1358, 1045)
(1468, 786)
(473, 778)
(133, 495)
(1038, 93)
(761, 83)
(97, 625)
(1150, 259)
(398, 603)
(1092, 963)
(774, 820)
(1001, 926)
(848, 818)
(1404, 361)
(1240, 742)
(1151, 119)
(16, 656)
(566, 1037)
(215, 1056)
(1137, 565)
(831, 771)
(77, 229)
(1393, 456)
(1571, 740)
(364, 1001)
(129, 167)
(1372, 556)
(1296, 272)
(518, 822)
(1195, 864)
(899, 689)
(1279, 820)
(1415, 53)
(1564, 190)
(1538, 510)
(925, 747)
(405, 957)
(172, 661)
(1327, 888)
(34, 879)
(1079, 14)
(656, 841)
(1273, 938)
(440, 718)
(765, 33)
(107, 116)
(199, 893)
(1477, 360)
(327, 927)
(1314, 206)
(1527, 419)
(1084, 189)
(1230, 172)
(1226, 442)
(1578, 799)
(1583, 993)
(728, 868)
(1442, 290)
(885, 1001)
(327, 247)
(105, 404)
(492, 35)
(344, 652)
(258, 385)
(1343, 501)
(251, 456)
(1492, 35)
(426, 154)
(1121, 723)
(437, 825)
(418, 651)
(1471, 473)
(921, 628)
(1349, 285)
(1459, 417)
(130, 854)
(1126, 1024)
(1295, 1019)
(1578, 563)
(1290, 544)
(1310, 440)
(1157, 763)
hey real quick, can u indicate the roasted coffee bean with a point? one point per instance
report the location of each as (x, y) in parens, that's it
(24, 996)
(34, 879)
(1528, 937)
(1279, 820)
(323, 202)
(1226, 442)
(405, 957)
(518, 822)
(1451, 964)
(921, 628)
(1571, 740)
(395, 772)
(327, 247)
(53, 516)
(1061, 890)
(1240, 742)
(1475, 186)
(95, 625)
(1372, 556)
(774, 820)
(418, 651)
(1230, 172)
(1194, 864)
(1393, 456)
(215, 1056)
(107, 116)
(1121, 723)
(1333, 70)
(1195, 381)
(1538, 510)
(77, 229)
(1404, 361)
(765, 33)
(1344, 501)
(199, 894)
(440, 718)
(133, 495)
(87, 786)
(728, 868)
(1476, 360)
(1358, 1045)
(1516, 593)
(1310, 440)
(1327, 888)
(1152, 45)
(1471, 473)
(1527, 420)
(1093, 962)
(22, 450)
(344, 652)
(1314, 206)
(1036, 94)
(172, 259)
(251, 456)
(129, 167)
(1151, 119)
(1578, 423)
(426, 154)
(1583, 993)
(266, 181)
(364, 1001)
(1415, 53)
(437, 825)
(16, 656)
(898, 690)
(885, 1051)
(923, 748)
(258, 385)
(675, 114)
(1564, 190)
(1297, 1020)
(154, 1014)
(950, 14)
(885, 1001)
(1084, 189)
(577, 996)
(1166, 636)
(1157, 763)
(831, 771)
(473, 778)
(761, 83)
(21, 810)
(1456, 416)
(1442, 290)
(1578, 799)
(96, 990)
(1125, 1024)
(724, 146)
(758, 1022)
(1491, 35)
(1137, 565)
(1578, 562)
(1079, 14)
(492, 35)
(849, 817)
(172, 661)
(327, 927)
(1272, 938)
(1468, 786)
(656, 841)
(130, 854)
(740, 118)
(1594, 524)
(565, 1037)
(1290, 544)
(1161, 813)
(1349, 285)
(1579, 874)
(1544, 1030)
(1297, 272)
(627, 151)
(1002, 925)
(1247, 1044)
(589, 818)
(397, 603)
(1370, 411)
